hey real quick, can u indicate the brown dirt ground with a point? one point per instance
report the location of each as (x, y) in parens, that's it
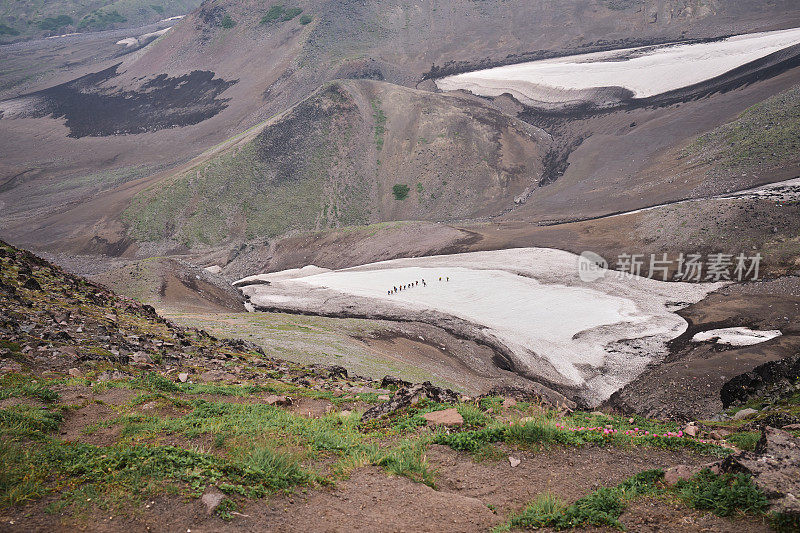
(371, 500)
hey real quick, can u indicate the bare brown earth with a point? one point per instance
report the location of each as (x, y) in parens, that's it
(412, 351)
(269, 67)
(371, 500)
(696, 372)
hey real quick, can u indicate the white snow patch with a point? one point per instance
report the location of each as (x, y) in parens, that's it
(647, 71)
(736, 336)
(142, 39)
(599, 335)
(292, 273)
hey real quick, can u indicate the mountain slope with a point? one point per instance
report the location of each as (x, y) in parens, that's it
(353, 153)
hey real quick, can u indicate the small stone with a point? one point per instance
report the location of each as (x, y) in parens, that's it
(513, 461)
(183, 377)
(75, 373)
(211, 499)
(446, 417)
(690, 430)
(719, 434)
(141, 358)
(680, 472)
(272, 399)
(744, 413)
(508, 403)
(345, 413)
(215, 375)
(384, 397)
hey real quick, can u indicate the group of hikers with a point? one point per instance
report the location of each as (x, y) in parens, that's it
(398, 288)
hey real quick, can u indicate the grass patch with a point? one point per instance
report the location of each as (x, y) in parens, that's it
(723, 495)
(400, 191)
(745, 440)
(409, 460)
(18, 385)
(54, 23)
(227, 22)
(544, 430)
(602, 507)
(8, 30)
(279, 12)
(380, 127)
(764, 134)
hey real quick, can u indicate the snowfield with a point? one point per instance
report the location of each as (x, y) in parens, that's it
(529, 304)
(736, 336)
(646, 71)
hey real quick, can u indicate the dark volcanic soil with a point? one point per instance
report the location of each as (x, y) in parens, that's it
(92, 109)
(697, 372)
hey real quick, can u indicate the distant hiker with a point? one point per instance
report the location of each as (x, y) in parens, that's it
(416, 283)
(448, 278)
(424, 284)
(440, 278)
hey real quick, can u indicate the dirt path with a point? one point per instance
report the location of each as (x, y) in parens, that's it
(371, 500)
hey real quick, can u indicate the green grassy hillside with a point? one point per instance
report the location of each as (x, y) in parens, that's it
(20, 19)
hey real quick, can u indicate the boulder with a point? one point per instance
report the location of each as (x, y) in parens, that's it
(141, 358)
(75, 373)
(183, 377)
(513, 461)
(744, 413)
(211, 499)
(446, 417)
(683, 472)
(215, 375)
(691, 430)
(273, 399)
(407, 396)
(774, 466)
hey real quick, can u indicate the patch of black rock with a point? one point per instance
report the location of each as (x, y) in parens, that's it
(93, 108)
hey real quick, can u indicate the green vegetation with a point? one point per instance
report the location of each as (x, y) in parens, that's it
(745, 440)
(400, 191)
(545, 431)
(24, 17)
(101, 19)
(765, 134)
(279, 12)
(227, 22)
(723, 495)
(8, 30)
(306, 19)
(600, 508)
(380, 123)
(55, 23)
(17, 385)
(265, 187)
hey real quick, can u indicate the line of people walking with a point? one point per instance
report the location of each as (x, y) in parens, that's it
(415, 283)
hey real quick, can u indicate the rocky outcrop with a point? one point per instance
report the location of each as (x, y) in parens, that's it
(775, 467)
(774, 378)
(408, 396)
